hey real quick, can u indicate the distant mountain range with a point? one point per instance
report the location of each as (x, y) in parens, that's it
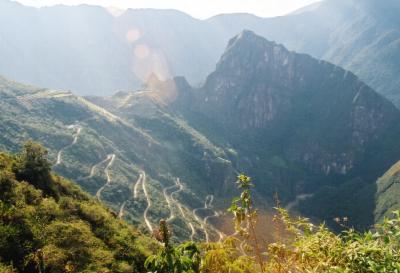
(92, 52)
(299, 126)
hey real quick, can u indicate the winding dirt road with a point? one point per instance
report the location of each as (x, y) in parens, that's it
(135, 195)
(75, 135)
(203, 223)
(137, 184)
(148, 223)
(93, 169)
(180, 207)
(207, 204)
(216, 215)
(122, 210)
(210, 199)
(296, 201)
(111, 158)
(193, 231)
(168, 199)
(194, 212)
(220, 234)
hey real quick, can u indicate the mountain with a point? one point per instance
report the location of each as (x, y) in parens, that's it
(366, 40)
(94, 51)
(126, 165)
(361, 36)
(48, 224)
(70, 48)
(299, 125)
(387, 193)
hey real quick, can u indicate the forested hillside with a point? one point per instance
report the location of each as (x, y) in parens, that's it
(144, 171)
(48, 224)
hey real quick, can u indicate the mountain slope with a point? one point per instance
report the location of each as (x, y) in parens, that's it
(387, 193)
(298, 124)
(121, 162)
(48, 224)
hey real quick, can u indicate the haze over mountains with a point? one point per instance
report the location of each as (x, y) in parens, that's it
(300, 126)
(88, 50)
(156, 119)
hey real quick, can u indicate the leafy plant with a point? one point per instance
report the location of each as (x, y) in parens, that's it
(183, 259)
(245, 216)
(225, 257)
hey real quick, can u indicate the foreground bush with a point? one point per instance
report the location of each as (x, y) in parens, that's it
(47, 224)
(305, 248)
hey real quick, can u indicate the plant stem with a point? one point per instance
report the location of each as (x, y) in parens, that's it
(256, 245)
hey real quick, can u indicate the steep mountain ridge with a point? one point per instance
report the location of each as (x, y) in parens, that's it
(300, 124)
(361, 36)
(119, 52)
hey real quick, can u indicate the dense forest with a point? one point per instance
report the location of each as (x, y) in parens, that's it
(48, 224)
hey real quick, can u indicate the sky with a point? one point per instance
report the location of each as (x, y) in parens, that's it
(201, 9)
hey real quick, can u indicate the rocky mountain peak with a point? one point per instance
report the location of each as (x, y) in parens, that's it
(247, 51)
(290, 100)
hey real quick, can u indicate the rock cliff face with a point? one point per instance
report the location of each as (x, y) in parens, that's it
(322, 115)
(299, 124)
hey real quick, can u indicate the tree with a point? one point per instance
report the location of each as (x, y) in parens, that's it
(31, 165)
(6, 186)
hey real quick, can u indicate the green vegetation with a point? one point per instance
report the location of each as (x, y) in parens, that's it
(387, 193)
(182, 259)
(309, 248)
(244, 214)
(47, 224)
(313, 249)
(161, 144)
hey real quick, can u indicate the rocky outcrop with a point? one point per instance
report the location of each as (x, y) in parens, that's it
(322, 116)
(297, 124)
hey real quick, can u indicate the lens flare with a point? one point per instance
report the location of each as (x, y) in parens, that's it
(133, 35)
(148, 61)
(114, 11)
(142, 51)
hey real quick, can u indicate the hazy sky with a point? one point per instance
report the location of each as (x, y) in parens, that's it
(196, 8)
